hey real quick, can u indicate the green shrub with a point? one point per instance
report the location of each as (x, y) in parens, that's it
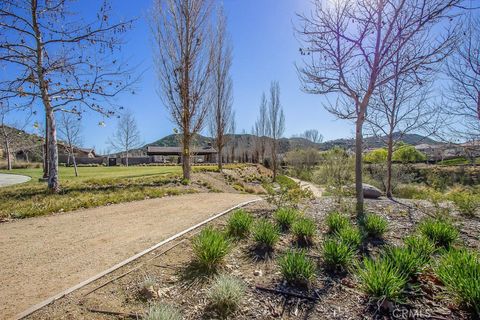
(466, 202)
(226, 294)
(265, 234)
(336, 221)
(239, 224)
(163, 312)
(442, 232)
(459, 270)
(210, 247)
(421, 245)
(351, 236)
(304, 230)
(374, 225)
(285, 217)
(408, 262)
(296, 267)
(337, 254)
(381, 279)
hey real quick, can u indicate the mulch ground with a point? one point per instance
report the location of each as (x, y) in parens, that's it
(330, 296)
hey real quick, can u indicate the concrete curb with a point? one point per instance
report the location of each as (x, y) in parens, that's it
(123, 263)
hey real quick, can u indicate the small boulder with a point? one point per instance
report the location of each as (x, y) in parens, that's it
(371, 192)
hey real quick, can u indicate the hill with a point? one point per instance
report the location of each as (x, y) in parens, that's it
(247, 142)
(378, 142)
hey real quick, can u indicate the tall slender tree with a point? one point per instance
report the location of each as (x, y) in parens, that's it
(222, 86)
(276, 124)
(60, 59)
(70, 131)
(184, 63)
(349, 44)
(261, 128)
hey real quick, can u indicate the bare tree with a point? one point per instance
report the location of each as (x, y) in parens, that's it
(184, 61)
(232, 140)
(261, 128)
(60, 59)
(349, 44)
(127, 136)
(222, 86)
(70, 132)
(313, 135)
(463, 69)
(400, 106)
(276, 124)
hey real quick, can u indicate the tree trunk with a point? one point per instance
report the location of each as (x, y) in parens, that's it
(74, 161)
(45, 152)
(358, 166)
(75, 165)
(186, 157)
(219, 158)
(389, 165)
(126, 159)
(274, 159)
(53, 183)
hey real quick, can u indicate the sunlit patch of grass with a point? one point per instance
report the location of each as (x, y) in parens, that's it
(459, 270)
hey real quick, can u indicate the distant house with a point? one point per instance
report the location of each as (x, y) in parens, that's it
(167, 154)
(439, 152)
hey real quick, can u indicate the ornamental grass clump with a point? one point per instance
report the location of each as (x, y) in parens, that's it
(285, 217)
(304, 230)
(160, 311)
(440, 231)
(337, 255)
(459, 271)
(210, 248)
(226, 293)
(336, 221)
(239, 224)
(421, 245)
(407, 261)
(297, 268)
(374, 225)
(381, 279)
(351, 236)
(266, 235)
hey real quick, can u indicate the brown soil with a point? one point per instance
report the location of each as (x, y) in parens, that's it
(335, 296)
(43, 256)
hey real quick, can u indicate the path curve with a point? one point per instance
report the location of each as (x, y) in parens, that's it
(11, 179)
(45, 255)
(316, 190)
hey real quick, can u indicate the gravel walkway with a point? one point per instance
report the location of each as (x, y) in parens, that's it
(45, 255)
(316, 190)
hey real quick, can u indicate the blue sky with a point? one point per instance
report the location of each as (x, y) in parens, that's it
(265, 49)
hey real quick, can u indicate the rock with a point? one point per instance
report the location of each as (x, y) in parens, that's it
(258, 273)
(371, 192)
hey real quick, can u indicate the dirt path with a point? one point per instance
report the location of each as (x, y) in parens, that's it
(43, 256)
(316, 190)
(11, 179)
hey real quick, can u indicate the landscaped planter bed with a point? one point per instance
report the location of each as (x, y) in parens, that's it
(329, 296)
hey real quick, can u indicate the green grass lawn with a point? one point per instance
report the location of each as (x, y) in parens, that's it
(95, 186)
